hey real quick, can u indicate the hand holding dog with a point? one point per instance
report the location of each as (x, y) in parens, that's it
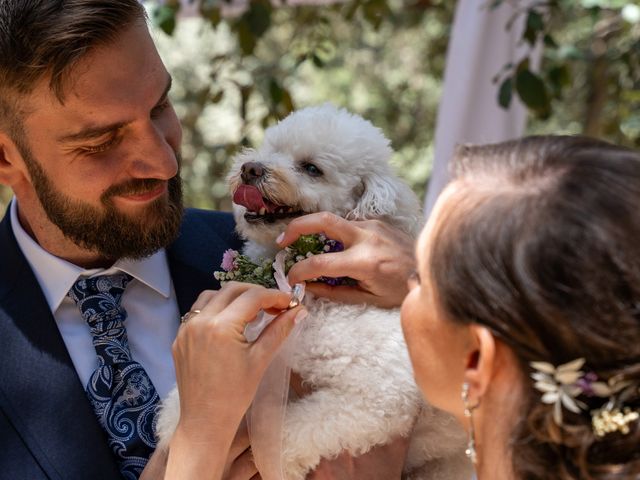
(383, 462)
(377, 255)
(217, 374)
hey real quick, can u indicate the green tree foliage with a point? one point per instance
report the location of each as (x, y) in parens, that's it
(238, 71)
(384, 59)
(589, 81)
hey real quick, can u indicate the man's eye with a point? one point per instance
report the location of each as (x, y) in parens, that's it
(100, 148)
(158, 109)
(311, 169)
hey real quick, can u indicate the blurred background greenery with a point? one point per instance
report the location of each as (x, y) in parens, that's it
(238, 69)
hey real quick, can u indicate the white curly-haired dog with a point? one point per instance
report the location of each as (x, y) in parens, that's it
(353, 357)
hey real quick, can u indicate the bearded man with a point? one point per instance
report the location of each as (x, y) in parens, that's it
(89, 144)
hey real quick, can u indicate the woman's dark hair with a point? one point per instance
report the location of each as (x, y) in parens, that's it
(541, 244)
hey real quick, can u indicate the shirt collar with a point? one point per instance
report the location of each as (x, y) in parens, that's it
(56, 275)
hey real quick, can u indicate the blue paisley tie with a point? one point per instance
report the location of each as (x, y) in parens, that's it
(120, 391)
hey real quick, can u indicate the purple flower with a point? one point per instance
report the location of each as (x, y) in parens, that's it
(584, 383)
(228, 260)
(334, 246)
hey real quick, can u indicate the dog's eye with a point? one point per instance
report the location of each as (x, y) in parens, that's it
(311, 169)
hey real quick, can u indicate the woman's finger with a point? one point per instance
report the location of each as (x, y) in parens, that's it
(333, 226)
(225, 296)
(246, 306)
(243, 467)
(336, 264)
(203, 299)
(277, 332)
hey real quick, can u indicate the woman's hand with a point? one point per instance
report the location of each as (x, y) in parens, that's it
(218, 373)
(378, 256)
(383, 462)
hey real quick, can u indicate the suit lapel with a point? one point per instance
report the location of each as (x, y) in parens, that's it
(197, 253)
(39, 389)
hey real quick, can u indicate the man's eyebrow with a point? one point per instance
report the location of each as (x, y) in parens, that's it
(93, 132)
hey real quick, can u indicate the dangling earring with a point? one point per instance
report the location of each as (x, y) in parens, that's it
(468, 412)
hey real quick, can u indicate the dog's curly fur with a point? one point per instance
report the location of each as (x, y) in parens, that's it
(353, 356)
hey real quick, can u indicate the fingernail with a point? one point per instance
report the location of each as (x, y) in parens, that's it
(280, 238)
(302, 314)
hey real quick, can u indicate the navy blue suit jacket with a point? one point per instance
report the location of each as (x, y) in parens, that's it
(47, 428)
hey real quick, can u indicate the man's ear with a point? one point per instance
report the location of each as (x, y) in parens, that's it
(480, 362)
(12, 166)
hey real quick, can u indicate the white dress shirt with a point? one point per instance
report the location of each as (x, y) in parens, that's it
(150, 302)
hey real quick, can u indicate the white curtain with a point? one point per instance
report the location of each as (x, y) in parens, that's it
(479, 47)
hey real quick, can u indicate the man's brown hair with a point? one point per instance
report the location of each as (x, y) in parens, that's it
(45, 38)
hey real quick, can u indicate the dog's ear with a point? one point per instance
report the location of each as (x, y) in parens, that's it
(385, 196)
(378, 195)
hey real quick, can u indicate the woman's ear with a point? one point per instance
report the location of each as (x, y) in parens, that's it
(480, 362)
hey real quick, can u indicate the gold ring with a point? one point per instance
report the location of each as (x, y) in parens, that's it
(185, 318)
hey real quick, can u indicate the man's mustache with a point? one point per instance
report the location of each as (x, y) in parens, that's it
(136, 186)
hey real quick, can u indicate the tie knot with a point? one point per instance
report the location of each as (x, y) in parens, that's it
(98, 298)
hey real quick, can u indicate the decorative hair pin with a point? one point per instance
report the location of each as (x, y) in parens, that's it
(562, 385)
(614, 420)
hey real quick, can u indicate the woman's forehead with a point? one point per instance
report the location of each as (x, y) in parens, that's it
(441, 206)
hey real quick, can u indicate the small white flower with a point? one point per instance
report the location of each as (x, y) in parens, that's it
(559, 387)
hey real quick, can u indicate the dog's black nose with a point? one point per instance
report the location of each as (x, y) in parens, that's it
(251, 172)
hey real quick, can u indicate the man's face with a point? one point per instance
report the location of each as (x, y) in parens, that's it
(104, 165)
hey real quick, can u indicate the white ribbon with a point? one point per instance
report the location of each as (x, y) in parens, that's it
(265, 417)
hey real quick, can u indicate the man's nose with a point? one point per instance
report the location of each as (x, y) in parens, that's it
(157, 156)
(252, 172)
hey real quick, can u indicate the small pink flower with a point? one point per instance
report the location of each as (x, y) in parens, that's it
(228, 260)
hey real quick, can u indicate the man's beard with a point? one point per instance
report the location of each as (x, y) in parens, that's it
(105, 230)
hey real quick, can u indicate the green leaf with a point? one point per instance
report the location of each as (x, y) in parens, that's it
(275, 91)
(246, 39)
(375, 11)
(505, 93)
(211, 13)
(258, 17)
(533, 92)
(317, 61)
(535, 21)
(549, 41)
(286, 104)
(523, 65)
(559, 77)
(534, 26)
(164, 16)
(245, 93)
(351, 10)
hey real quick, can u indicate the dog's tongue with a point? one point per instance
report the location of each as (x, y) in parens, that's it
(250, 197)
